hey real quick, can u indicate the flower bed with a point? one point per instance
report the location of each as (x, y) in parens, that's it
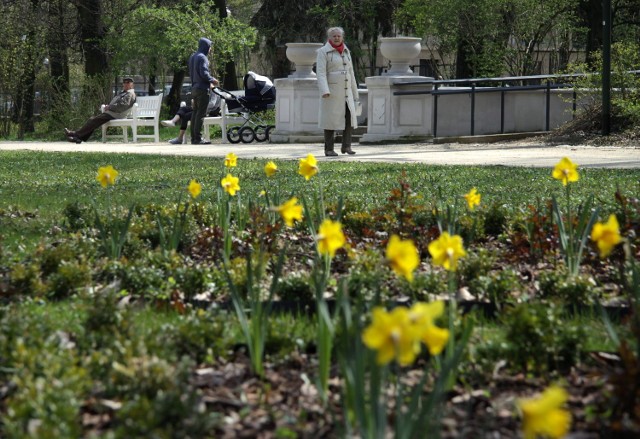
(387, 348)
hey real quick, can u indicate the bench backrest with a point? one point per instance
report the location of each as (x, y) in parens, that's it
(148, 106)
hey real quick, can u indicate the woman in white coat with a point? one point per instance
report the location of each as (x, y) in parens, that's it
(338, 90)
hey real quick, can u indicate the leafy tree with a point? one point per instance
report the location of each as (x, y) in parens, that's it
(155, 36)
(22, 35)
(463, 33)
(625, 99)
(625, 16)
(364, 21)
(533, 25)
(286, 21)
(489, 38)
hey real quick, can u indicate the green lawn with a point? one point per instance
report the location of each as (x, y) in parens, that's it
(35, 187)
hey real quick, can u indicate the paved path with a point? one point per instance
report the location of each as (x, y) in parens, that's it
(506, 154)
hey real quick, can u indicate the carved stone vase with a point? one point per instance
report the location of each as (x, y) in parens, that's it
(400, 51)
(303, 55)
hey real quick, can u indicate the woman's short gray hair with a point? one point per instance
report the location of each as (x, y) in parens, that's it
(335, 29)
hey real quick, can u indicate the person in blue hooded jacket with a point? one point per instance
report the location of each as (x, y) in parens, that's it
(201, 84)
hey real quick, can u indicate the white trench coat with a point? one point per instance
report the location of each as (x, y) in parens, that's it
(335, 76)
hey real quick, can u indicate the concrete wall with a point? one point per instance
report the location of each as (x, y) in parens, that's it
(397, 117)
(524, 111)
(392, 117)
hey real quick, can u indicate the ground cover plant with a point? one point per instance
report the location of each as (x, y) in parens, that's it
(194, 297)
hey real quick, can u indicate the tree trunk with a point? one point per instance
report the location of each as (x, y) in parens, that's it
(153, 82)
(25, 99)
(229, 80)
(173, 100)
(26, 84)
(92, 33)
(590, 11)
(464, 67)
(58, 59)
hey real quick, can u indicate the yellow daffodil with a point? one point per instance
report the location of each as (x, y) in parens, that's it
(290, 211)
(544, 416)
(230, 184)
(270, 169)
(231, 160)
(107, 175)
(566, 171)
(390, 334)
(606, 235)
(194, 188)
(473, 198)
(403, 256)
(446, 250)
(330, 237)
(308, 167)
(422, 317)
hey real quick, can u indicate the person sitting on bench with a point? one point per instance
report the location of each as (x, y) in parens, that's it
(184, 116)
(116, 109)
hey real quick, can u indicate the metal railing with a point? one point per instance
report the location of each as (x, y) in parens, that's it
(474, 86)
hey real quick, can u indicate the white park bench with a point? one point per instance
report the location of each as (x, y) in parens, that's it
(223, 121)
(144, 113)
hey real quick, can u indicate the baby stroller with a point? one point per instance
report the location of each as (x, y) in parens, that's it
(259, 96)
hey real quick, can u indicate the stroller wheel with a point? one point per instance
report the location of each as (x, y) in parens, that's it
(261, 133)
(247, 134)
(233, 135)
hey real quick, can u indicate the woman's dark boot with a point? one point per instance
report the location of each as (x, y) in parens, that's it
(347, 150)
(346, 136)
(328, 144)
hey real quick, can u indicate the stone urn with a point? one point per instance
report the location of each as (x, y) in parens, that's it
(400, 51)
(303, 55)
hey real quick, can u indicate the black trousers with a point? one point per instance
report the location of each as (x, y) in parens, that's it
(329, 137)
(92, 124)
(185, 114)
(200, 102)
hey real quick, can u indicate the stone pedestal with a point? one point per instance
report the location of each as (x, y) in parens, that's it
(297, 108)
(398, 117)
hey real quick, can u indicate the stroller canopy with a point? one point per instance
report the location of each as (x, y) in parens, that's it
(258, 86)
(258, 83)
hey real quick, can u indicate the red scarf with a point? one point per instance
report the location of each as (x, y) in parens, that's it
(339, 47)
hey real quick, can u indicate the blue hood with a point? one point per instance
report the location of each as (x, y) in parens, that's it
(204, 44)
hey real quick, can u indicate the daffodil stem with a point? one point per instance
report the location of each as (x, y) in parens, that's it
(226, 219)
(451, 343)
(570, 238)
(325, 329)
(327, 272)
(109, 223)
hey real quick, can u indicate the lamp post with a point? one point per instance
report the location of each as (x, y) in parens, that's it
(606, 67)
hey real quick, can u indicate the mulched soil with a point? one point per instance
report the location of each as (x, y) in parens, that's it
(286, 400)
(586, 129)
